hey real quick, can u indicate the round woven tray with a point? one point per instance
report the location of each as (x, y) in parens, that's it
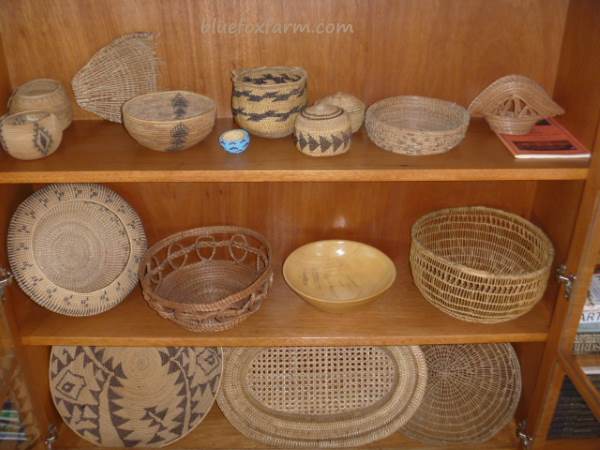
(75, 248)
(480, 264)
(207, 279)
(321, 397)
(472, 393)
(134, 397)
(413, 125)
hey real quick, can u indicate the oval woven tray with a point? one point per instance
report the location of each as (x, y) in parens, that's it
(472, 393)
(134, 396)
(321, 396)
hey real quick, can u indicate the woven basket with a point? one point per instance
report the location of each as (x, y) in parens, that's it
(266, 100)
(513, 104)
(125, 68)
(169, 121)
(207, 279)
(480, 264)
(323, 130)
(349, 103)
(472, 393)
(30, 135)
(43, 94)
(320, 397)
(413, 125)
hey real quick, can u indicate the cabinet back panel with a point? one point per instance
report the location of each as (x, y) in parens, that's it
(445, 49)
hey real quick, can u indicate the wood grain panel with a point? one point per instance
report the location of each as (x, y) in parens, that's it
(5, 85)
(446, 49)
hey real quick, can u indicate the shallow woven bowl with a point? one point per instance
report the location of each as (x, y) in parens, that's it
(43, 94)
(169, 121)
(31, 134)
(207, 279)
(480, 264)
(338, 275)
(413, 125)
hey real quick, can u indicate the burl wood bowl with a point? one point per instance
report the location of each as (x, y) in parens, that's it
(338, 275)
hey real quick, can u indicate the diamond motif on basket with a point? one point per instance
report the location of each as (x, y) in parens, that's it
(41, 139)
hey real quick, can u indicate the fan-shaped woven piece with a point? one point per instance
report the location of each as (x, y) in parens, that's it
(321, 397)
(75, 248)
(126, 67)
(472, 393)
(134, 396)
(513, 104)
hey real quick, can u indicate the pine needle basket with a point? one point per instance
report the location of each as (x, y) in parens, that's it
(480, 264)
(412, 125)
(472, 393)
(207, 279)
(513, 104)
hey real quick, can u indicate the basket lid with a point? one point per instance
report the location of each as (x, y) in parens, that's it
(322, 111)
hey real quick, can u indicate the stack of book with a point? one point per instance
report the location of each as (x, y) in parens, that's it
(588, 334)
(573, 418)
(11, 428)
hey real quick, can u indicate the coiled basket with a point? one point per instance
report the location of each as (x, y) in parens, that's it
(480, 264)
(207, 279)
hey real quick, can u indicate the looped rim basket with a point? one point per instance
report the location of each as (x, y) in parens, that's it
(207, 279)
(480, 264)
(413, 125)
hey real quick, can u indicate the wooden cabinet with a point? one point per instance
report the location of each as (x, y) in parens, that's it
(446, 49)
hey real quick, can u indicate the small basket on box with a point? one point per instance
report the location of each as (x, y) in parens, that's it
(207, 279)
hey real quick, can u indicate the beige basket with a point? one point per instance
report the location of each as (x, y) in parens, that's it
(30, 134)
(321, 397)
(472, 393)
(349, 103)
(43, 94)
(266, 100)
(480, 264)
(413, 125)
(513, 104)
(323, 130)
(207, 279)
(169, 121)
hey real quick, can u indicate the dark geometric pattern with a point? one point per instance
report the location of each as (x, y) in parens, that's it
(179, 135)
(134, 397)
(42, 140)
(180, 105)
(257, 117)
(269, 78)
(334, 142)
(273, 95)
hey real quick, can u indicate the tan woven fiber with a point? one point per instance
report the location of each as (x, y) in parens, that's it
(472, 393)
(125, 68)
(321, 397)
(513, 104)
(412, 125)
(30, 135)
(349, 103)
(207, 279)
(266, 100)
(323, 130)
(169, 121)
(43, 94)
(480, 264)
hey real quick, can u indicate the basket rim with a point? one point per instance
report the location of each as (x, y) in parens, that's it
(211, 108)
(549, 255)
(56, 86)
(41, 115)
(459, 110)
(237, 74)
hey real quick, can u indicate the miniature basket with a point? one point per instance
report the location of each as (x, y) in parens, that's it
(43, 94)
(207, 279)
(266, 100)
(412, 125)
(169, 121)
(30, 134)
(513, 104)
(480, 264)
(323, 130)
(349, 103)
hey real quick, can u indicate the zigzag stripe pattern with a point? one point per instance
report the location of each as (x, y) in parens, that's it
(274, 95)
(257, 117)
(332, 143)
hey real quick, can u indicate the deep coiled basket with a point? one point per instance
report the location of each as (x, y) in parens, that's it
(207, 279)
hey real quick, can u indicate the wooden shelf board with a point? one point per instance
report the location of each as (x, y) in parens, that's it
(99, 151)
(401, 317)
(572, 444)
(215, 432)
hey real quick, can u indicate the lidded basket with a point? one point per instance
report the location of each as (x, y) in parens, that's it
(349, 103)
(43, 94)
(266, 100)
(31, 134)
(323, 130)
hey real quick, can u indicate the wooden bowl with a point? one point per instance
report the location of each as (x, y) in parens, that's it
(338, 275)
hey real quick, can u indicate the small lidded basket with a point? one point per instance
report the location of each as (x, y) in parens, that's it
(43, 94)
(323, 130)
(349, 103)
(207, 279)
(266, 100)
(30, 134)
